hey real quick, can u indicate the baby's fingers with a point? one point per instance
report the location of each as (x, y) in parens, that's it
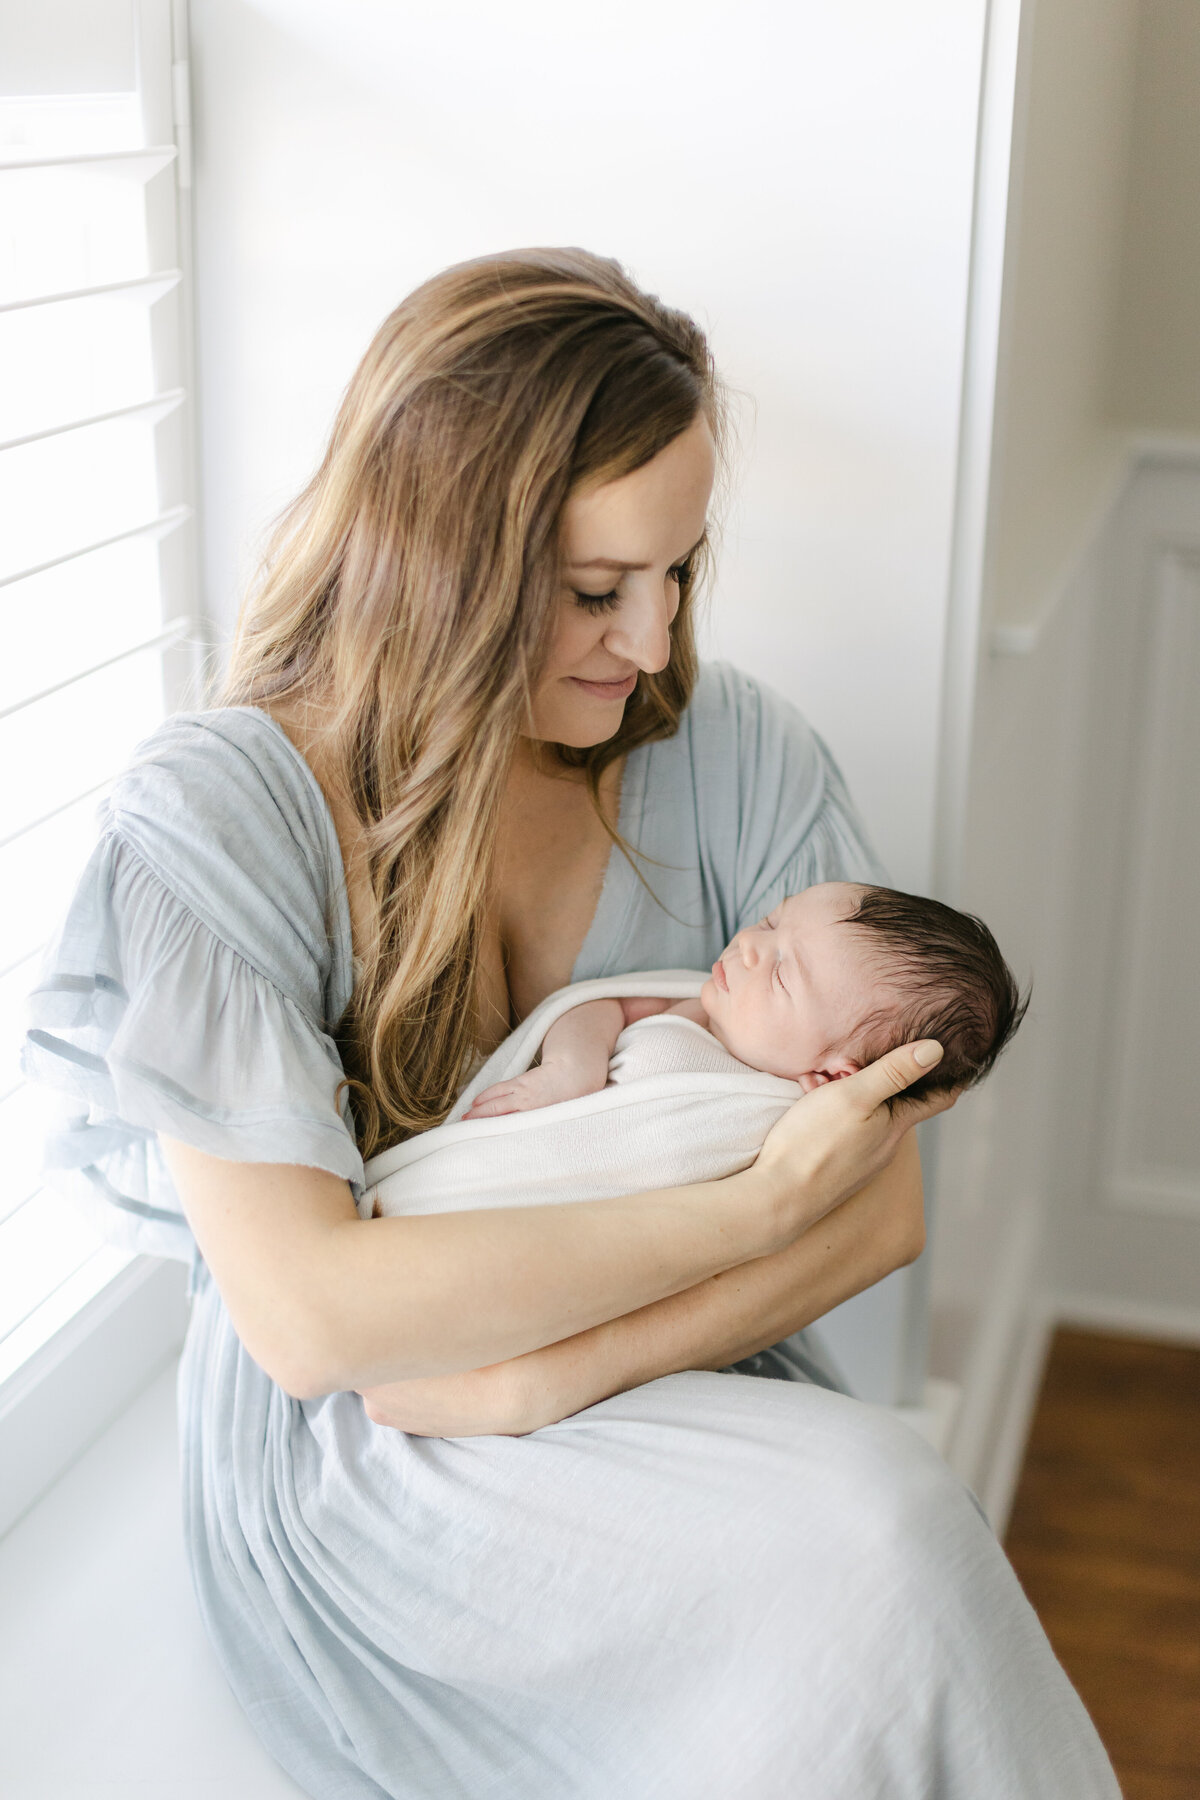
(492, 1102)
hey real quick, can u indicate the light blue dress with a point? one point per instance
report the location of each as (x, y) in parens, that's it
(713, 1586)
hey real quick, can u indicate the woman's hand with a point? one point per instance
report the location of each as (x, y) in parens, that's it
(487, 1402)
(835, 1140)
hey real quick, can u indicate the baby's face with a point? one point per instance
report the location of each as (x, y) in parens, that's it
(789, 994)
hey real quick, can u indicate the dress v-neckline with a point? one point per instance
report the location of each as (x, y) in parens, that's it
(618, 889)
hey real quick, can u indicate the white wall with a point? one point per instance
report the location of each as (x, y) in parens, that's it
(1069, 1188)
(1057, 456)
(1124, 1169)
(799, 176)
(1070, 1185)
(1103, 283)
(1155, 379)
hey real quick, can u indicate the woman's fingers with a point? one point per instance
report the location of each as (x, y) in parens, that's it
(883, 1080)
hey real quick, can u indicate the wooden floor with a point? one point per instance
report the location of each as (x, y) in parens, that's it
(1105, 1536)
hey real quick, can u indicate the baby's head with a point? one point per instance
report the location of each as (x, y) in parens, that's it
(839, 974)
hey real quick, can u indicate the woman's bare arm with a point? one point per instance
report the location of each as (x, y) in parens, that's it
(325, 1300)
(719, 1321)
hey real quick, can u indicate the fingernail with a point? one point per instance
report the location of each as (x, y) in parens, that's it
(928, 1053)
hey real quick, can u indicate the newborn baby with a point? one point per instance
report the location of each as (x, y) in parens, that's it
(826, 983)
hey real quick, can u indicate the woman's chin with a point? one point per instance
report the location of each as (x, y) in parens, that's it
(574, 733)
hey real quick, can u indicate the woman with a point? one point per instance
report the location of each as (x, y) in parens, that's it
(464, 757)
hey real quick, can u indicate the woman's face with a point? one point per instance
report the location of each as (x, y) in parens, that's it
(623, 545)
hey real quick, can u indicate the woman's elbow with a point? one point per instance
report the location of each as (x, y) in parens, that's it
(298, 1369)
(906, 1211)
(302, 1348)
(911, 1235)
(302, 1381)
(318, 1352)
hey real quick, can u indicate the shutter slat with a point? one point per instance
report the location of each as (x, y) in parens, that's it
(170, 634)
(140, 163)
(146, 287)
(53, 813)
(157, 407)
(159, 527)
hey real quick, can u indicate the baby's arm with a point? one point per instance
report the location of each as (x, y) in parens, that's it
(576, 1052)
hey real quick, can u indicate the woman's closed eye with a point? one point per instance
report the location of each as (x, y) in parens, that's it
(600, 603)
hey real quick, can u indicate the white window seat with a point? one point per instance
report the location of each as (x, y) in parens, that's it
(110, 1689)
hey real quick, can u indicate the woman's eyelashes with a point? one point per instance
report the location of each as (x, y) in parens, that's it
(598, 603)
(602, 603)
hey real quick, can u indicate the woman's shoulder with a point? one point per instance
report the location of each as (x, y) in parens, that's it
(226, 814)
(229, 776)
(199, 758)
(771, 813)
(739, 735)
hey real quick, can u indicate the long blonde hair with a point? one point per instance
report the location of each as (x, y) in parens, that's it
(411, 589)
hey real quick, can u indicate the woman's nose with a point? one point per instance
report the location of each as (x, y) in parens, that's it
(641, 631)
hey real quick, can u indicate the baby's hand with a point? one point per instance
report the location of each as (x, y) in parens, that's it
(543, 1086)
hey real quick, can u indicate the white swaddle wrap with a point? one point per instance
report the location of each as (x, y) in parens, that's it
(678, 1108)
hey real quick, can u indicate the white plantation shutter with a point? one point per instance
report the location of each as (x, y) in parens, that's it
(97, 640)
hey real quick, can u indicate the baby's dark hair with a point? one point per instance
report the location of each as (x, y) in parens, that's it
(954, 985)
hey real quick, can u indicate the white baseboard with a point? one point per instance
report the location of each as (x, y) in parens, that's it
(998, 1485)
(934, 1417)
(1126, 1318)
(1003, 1373)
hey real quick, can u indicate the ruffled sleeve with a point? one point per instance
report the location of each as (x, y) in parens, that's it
(150, 1019)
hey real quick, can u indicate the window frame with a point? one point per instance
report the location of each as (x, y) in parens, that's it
(85, 1372)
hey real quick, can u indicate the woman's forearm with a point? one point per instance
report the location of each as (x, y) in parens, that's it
(324, 1300)
(717, 1322)
(734, 1314)
(470, 1285)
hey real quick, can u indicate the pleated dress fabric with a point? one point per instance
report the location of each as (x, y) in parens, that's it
(713, 1586)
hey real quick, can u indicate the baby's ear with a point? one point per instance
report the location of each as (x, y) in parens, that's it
(838, 1068)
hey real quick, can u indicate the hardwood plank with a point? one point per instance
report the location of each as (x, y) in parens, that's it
(1105, 1537)
(1157, 1784)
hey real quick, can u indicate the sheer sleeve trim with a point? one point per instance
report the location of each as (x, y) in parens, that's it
(146, 1022)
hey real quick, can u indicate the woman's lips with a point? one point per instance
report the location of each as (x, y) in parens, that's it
(719, 978)
(607, 690)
